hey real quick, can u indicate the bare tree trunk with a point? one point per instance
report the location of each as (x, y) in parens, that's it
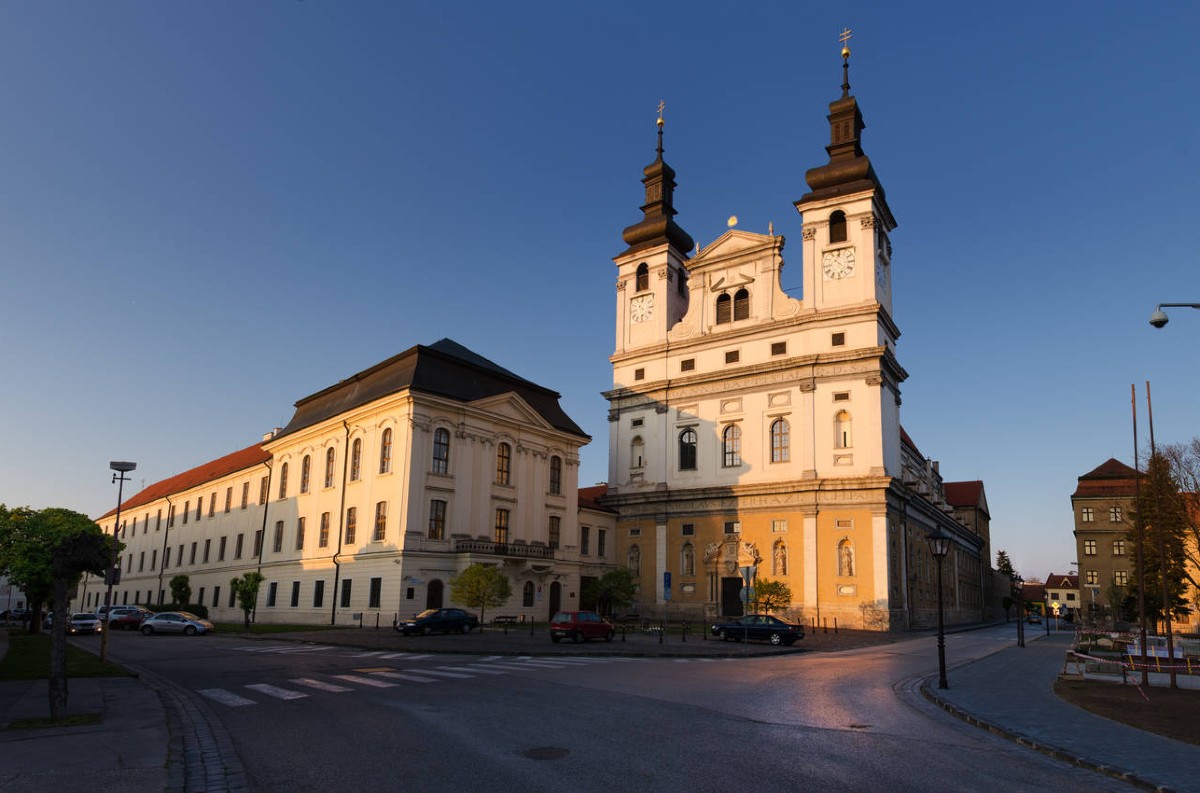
(58, 651)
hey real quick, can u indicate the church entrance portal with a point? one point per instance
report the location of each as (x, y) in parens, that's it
(731, 601)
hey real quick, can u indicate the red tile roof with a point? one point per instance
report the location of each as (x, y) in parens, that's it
(1056, 581)
(589, 498)
(964, 494)
(215, 469)
(1111, 478)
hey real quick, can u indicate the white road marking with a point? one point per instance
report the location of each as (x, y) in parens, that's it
(319, 685)
(370, 654)
(477, 669)
(365, 681)
(409, 678)
(275, 691)
(444, 674)
(306, 649)
(225, 697)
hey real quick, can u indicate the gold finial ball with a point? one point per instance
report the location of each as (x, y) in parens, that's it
(732, 221)
(660, 121)
(845, 52)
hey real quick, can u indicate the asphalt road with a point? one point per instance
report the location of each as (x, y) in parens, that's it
(309, 717)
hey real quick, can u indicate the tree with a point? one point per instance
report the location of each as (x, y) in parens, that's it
(1161, 513)
(45, 553)
(1004, 566)
(771, 595)
(181, 590)
(245, 589)
(616, 589)
(1184, 459)
(481, 586)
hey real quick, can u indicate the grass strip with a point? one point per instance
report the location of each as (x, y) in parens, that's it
(28, 658)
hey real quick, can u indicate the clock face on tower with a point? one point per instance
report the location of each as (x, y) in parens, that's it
(839, 263)
(641, 308)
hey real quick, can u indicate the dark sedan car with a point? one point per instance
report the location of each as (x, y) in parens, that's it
(439, 621)
(761, 627)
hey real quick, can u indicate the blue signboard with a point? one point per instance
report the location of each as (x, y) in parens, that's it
(666, 585)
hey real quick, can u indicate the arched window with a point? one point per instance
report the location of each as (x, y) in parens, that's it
(637, 452)
(842, 436)
(846, 558)
(687, 450)
(741, 305)
(305, 466)
(687, 560)
(635, 560)
(731, 446)
(283, 472)
(437, 519)
(503, 464)
(441, 450)
(642, 280)
(329, 456)
(356, 460)
(385, 452)
(527, 595)
(837, 226)
(556, 476)
(780, 441)
(724, 309)
(779, 558)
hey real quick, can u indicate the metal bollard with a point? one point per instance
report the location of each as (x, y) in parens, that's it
(825, 624)
(376, 620)
(685, 629)
(662, 631)
(835, 624)
(531, 627)
(624, 628)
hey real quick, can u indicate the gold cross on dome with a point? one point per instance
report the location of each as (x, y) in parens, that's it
(662, 105)
(846, 36)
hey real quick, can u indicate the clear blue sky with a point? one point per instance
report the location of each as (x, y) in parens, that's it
(210, 210)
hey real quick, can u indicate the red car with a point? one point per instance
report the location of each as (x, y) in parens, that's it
(580, 626)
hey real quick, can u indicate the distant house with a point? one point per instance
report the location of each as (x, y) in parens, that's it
(1062, 595)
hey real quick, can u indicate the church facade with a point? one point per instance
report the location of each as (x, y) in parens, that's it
(755, 436)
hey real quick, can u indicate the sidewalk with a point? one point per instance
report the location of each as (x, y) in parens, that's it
(1011, 694)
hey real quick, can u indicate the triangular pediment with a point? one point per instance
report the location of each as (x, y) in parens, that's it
(511, 406)
(733, 244)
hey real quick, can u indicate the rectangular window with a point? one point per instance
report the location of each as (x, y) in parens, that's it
(228, 499)
(584, 531)
(501, 533)
(639, 374)
(380, 521)
(200, 506)
(295, 594)
(375, 594)
(179, 556)
(778, 526)
(323, 536)
(171, 516)
(437, 519)
(232, 598)
(277, 546)
(733, 356)
(262, 490)
(687, 365)
(1118, 547)
(1121, 578)
(154, 559)
(272, 591)
(1089, 547)
(141, 561)
(258, 541)
(129, 563)
(192, 555)
(158, 520)
(318, 594)
(216, 601)
(245, 494)
(779, 348)
(221, 549)
(237, 548)
(635, 532)
(187, 510)
(1114, 515)
(1070, 596)
(300, 534)
(351, 525)
(601, 542)
(555, 530)
(346, 585)
(207, 548)
(199, 599)
(838, 340)
(212, 504)
(1086, 515)
(689, 530)
(1093, 577)
(732, 527)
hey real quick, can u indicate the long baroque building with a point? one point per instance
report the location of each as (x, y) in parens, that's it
(378, 492)
(754, 435)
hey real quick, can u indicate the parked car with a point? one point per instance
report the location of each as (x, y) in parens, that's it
(175, 622)
(439, 620)
(84, 623)
(122, 617)
(760, 627)
(580, 626)
(1034, 619)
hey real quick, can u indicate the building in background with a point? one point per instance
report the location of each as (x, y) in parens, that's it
(749, 428)
(379, 491)
(1062, 596)
(1103, 507)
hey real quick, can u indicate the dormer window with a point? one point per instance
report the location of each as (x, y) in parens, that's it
(837, 226)
(642, 279)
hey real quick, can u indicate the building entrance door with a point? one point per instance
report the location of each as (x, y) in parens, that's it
(555, 599)
(433, 596)
(731, 601)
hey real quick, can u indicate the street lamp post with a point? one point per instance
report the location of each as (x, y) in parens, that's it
(120, 468)
(1019, 583)
(939, 546)
(1159, 318)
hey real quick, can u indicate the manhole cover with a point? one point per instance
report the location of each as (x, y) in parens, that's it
(545, 753)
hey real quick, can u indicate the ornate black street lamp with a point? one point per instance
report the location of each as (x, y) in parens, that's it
(121, 468)
(939, 546)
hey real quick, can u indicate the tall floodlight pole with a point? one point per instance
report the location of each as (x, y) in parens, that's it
(120, 468)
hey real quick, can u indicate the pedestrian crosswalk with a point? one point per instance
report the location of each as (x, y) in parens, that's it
(385, 677)
(304, 649)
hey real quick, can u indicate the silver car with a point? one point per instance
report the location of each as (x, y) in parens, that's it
(84, 623)
(175, 622)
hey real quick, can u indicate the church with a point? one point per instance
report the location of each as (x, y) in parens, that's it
(755, 436)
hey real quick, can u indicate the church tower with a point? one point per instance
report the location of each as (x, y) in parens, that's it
(749, 428)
